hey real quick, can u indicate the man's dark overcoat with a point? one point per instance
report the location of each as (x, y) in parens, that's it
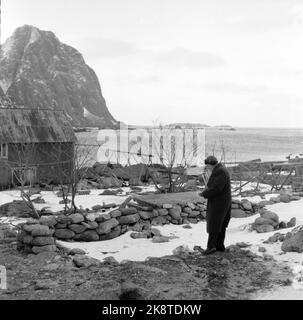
(218, 193)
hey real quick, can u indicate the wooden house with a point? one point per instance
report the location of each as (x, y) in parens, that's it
(36, 145)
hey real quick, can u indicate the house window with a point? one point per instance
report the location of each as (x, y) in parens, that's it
(3, 151)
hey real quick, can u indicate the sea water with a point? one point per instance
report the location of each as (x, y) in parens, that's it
(243, 144)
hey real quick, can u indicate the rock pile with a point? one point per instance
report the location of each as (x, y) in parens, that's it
(275, 238)
(243, 208)
(37, 236)
(269, 221)
(17, 208)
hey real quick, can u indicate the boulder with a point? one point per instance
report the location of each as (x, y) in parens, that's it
(140, 235)
(116, 214)
(203, 214)
(131, 291)
(103, 217)
(111, 235)
(87, 236)
(43, 241)
(91, 217)
(146, 215)
(129, 219)
(167, 206)
(138, 227)
(64, 219)
(128, 211)
(192, 220)
(187, 210)
(76, 251)
(109, 205)
(109, 193)
(97, 207)
(235, 206)
(82, 261)
(90, 225)
(263, 228)
(49, 221)
(282, 225)
(159, 221)
(285, 198)
(77, 228)
(102, 169)
(155, 232)
(295, 198)
(175, 213)
(155, 213)
(263, 203)
(110, 182)
(106, 226)
(194, 214)
(292, 223)
(275, 238)
(238, 213)
(293, 241)
(246, 205)
(263, 221)
(76, 218)
(38, 230)
(32, 221)
(275, 199)
(138, 171)
(48, 248)
(135, 182)
(64, 234)
(17, 208)
(61, 226)
(160, 239)
(162, 212)
(271, 215)
(27, 239)
(191, 205)
(111, 260)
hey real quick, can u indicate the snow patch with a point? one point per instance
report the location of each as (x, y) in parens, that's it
(86, 113)
(126, 248)
(5, 84)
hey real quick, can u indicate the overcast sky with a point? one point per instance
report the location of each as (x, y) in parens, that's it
(237, 62)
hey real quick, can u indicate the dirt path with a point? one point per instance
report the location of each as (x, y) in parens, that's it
(233, 275)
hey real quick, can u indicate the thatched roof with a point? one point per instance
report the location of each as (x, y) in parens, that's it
(34, 126)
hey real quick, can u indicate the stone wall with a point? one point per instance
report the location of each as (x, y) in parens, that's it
(37, 236)
(41, 235)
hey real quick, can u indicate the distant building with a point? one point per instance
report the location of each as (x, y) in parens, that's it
(35, 145)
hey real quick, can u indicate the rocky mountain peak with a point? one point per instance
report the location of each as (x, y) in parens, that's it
(39, 71)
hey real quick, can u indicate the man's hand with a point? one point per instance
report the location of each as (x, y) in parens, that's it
(201, 193)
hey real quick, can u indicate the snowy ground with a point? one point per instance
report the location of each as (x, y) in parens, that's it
(126, 248)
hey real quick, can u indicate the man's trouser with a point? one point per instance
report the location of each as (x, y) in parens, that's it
(216, 240)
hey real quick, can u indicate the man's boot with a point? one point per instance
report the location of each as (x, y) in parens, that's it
(209, 251)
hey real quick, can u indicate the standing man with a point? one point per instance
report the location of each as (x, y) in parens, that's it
(218, 194)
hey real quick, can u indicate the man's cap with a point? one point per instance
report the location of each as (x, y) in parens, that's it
(211, 160)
